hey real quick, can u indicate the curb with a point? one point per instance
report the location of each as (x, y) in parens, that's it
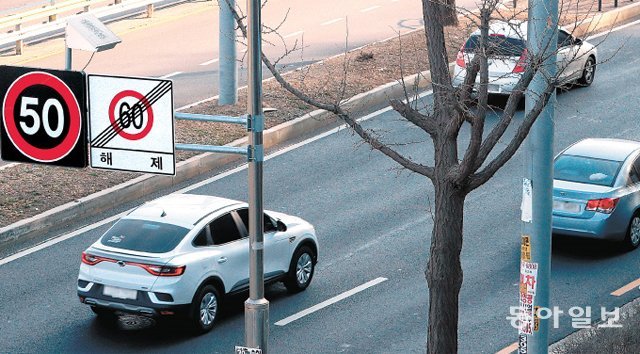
(597, 339)
(138, 187)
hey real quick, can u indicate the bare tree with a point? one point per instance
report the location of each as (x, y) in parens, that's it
(453, 176)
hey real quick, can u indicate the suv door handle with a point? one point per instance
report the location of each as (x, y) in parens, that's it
(222, 260)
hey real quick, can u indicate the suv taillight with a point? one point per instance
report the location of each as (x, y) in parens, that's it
(605, 205)
(90, 259)
(153, 269)
(159, 270)
(522, 62)
(460, 58)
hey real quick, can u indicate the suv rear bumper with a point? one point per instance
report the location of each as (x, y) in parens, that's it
(142, 305)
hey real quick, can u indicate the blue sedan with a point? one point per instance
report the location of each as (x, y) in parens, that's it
(596, 191)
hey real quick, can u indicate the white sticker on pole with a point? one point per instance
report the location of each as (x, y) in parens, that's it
(131, 124)
(527, 200)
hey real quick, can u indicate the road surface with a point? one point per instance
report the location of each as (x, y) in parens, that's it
(373, 224)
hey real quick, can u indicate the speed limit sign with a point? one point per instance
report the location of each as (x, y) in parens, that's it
(43, 116)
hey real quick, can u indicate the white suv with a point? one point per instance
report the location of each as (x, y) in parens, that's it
(178, 255)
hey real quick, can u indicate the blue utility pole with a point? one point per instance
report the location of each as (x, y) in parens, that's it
(535, 276)
(227, 73)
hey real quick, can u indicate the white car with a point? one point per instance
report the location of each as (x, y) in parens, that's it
(180, 254)
(507, 54)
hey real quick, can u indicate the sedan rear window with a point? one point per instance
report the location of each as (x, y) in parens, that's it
(144, 236)
(586, 170)
(497, 45)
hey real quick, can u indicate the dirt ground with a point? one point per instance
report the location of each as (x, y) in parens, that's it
(28, 189)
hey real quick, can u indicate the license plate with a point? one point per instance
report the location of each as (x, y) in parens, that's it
(119, 293)
(493, 88)
(566, 206)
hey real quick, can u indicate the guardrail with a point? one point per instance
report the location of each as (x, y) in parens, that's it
(52, 24)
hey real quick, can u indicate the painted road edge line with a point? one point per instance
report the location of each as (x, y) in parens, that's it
(371, 8)
(510, 349)
(625, 289)
(210, 62)
(330, 301)
(170, 75)
(294, 34)
(330, 22)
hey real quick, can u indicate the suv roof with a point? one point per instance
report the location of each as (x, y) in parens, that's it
(181, 209)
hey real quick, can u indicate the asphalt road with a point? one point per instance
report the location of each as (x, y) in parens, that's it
(372, 221)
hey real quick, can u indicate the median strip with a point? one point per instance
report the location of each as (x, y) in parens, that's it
(331, 301)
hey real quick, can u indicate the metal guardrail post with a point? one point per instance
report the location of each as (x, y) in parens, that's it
(599, 5)
(150, 9)
(116, 2)
(20, 42)
(615, 3)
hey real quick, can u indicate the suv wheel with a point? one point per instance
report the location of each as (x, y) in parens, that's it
(205, 309)
(301, 270)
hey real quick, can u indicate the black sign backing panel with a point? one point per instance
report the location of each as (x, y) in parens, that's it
(43, 116)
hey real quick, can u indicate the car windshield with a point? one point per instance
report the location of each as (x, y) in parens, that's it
(586, 170)
(144, 236)
(497, 45)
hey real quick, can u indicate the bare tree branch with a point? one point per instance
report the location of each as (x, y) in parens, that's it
(476, 180)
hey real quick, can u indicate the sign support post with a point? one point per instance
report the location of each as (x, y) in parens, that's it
(256, 307)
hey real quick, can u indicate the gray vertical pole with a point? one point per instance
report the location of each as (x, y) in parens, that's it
(68, 57)
(227, 74)
(542, 40)
(256, 307)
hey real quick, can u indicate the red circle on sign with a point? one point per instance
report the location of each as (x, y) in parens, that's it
(75, 118)
(147, 105)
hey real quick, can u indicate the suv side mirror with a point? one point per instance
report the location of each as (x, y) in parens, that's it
(281, 226)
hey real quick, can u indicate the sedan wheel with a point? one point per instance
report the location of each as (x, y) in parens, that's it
(588, 73)
(301, 270)
(205, 309)
(633, 235)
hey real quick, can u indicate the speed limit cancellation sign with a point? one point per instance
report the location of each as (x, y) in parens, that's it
(131, 124)
(43, 116)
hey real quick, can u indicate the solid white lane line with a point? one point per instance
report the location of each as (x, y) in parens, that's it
(53, 241)
(170, 75)
(294, 34)
(331, 301)
(330, 22)
(210, 61)
(371, 8)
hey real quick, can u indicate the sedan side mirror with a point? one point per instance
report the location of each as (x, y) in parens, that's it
(281, 226)
(577, 41)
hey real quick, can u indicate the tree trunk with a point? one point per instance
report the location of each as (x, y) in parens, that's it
(444, 271)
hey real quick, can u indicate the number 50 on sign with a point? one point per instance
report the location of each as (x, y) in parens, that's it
(43, 116)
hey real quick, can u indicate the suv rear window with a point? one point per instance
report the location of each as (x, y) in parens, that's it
(588, 170)
(144, 236)
(497, 45)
